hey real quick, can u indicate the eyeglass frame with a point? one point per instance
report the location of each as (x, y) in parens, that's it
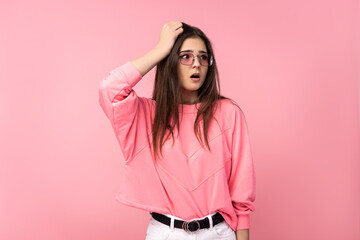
(198, 57)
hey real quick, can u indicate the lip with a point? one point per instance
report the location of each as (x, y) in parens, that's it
(196, 73)
(195, 79)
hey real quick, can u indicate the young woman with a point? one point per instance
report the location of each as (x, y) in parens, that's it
(187, 151)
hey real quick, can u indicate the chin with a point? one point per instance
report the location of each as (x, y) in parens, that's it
(192, 88)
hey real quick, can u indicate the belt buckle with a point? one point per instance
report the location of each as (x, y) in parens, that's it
(185, 226)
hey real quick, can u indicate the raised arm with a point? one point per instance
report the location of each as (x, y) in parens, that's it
(167, 37)
(146, 62)
(128, 113)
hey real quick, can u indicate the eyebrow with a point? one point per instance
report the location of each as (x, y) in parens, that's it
(193, 51)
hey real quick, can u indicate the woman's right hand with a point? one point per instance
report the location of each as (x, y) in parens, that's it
(170, 31)
(168, 35)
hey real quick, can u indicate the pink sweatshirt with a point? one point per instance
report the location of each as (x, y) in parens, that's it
(189, 182)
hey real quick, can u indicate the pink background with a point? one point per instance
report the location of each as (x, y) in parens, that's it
(293, 67)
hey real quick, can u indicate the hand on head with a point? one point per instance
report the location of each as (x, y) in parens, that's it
(170, 31)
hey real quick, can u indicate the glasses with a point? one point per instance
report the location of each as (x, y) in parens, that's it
(188, 59)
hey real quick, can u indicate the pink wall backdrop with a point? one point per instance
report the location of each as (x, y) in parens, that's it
(293, 67)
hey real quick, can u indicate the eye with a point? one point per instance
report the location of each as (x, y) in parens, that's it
(205, 57)
(185, 56)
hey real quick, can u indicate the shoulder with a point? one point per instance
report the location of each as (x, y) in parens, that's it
(232, 113)
(146, 104)
(231, 106)
(148, 101)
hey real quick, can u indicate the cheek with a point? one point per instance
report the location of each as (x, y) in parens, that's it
(181, 77)
(204, 76)
(184, 75)
(180, 73)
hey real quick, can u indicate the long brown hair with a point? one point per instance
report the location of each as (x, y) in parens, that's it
(167, 93)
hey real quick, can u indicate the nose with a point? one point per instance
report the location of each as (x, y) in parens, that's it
(196, 62)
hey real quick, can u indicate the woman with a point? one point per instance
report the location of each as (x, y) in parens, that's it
(192, 189)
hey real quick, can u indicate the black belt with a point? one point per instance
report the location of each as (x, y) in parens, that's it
(188, 226)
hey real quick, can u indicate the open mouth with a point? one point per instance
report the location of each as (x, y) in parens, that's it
(195, 76)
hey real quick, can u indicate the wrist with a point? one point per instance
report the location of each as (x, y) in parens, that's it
(242, 234)
(160, 52)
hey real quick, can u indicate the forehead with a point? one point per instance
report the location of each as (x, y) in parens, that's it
(193, 44)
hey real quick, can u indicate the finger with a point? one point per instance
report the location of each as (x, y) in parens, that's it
(174, 22)
(176, 25)
(179, 30)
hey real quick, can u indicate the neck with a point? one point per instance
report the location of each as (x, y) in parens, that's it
(189, 97)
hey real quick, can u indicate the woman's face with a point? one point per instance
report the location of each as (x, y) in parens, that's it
(197, 47)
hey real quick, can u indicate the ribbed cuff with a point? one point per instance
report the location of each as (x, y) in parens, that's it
(243, 222)
(133, 75)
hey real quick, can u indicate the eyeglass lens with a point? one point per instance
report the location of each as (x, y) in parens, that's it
(188, 58)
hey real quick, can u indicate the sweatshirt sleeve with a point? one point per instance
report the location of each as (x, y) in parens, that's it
(242, 174)
(126, 111)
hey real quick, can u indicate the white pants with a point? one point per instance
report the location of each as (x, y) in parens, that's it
(160, 231)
